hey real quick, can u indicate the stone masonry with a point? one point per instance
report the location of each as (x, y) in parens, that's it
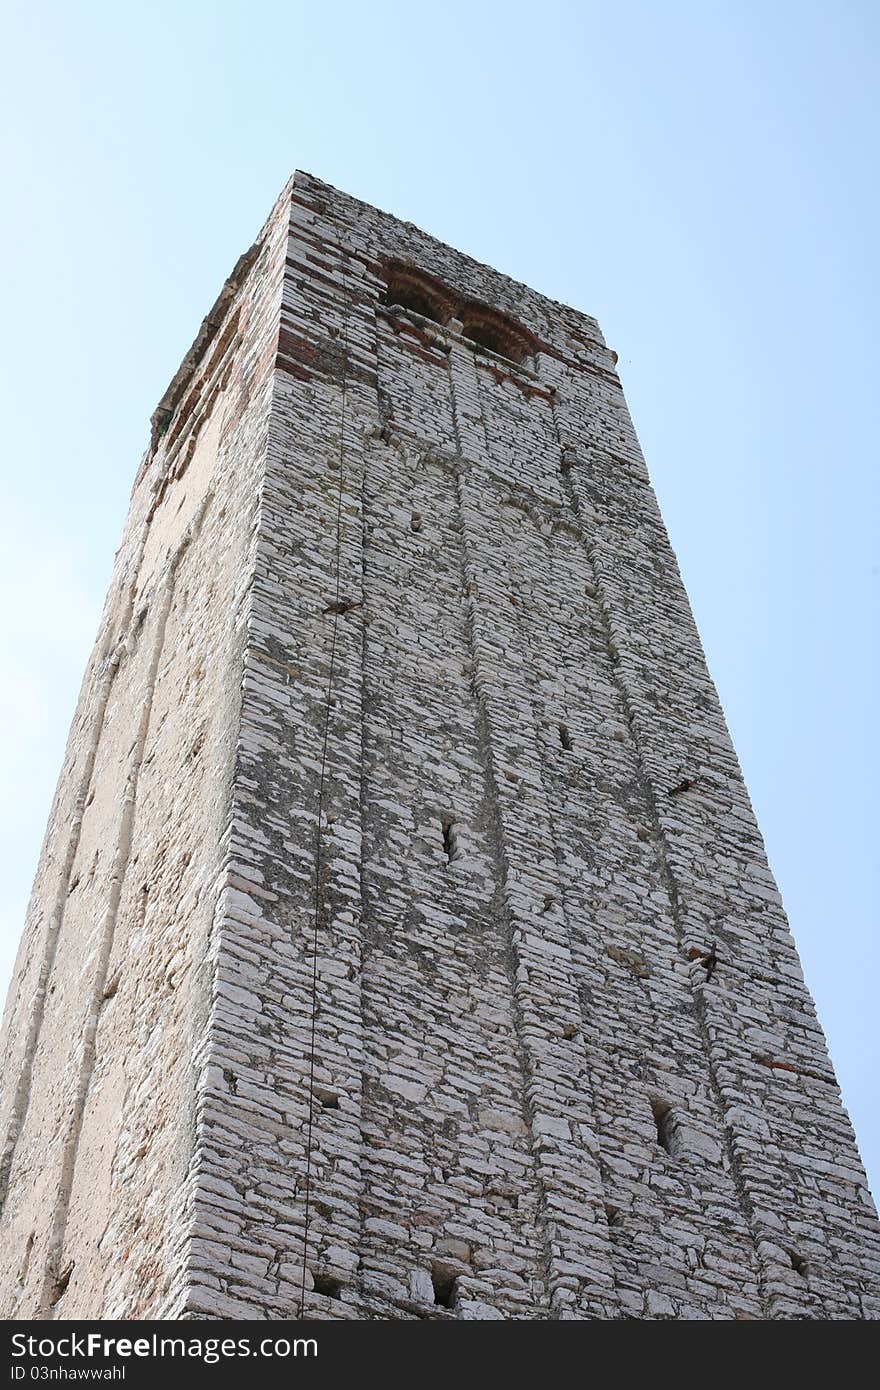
(401, 892)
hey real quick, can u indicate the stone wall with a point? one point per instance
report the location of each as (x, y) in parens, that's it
(534, 1041)
(110, 991)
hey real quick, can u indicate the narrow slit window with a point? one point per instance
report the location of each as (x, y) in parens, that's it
(664, 1119)
(60, 1286)
(450, 839)
(325, 1284)
(443, 1279)
(565, 738)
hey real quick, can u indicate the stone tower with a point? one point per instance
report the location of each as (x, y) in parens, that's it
(403, 940)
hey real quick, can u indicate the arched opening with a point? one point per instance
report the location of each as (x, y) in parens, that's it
(491, 329)
(496, 332)
(419, 293)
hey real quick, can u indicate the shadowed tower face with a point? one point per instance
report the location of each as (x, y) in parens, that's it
(403, 943)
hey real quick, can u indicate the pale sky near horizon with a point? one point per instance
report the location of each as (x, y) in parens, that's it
(700, 177)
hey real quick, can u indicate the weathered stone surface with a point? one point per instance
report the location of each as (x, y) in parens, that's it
(565, 1063)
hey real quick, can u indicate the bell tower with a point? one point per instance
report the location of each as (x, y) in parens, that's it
(403, 944)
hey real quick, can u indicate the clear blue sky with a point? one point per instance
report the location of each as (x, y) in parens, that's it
(701, 177)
